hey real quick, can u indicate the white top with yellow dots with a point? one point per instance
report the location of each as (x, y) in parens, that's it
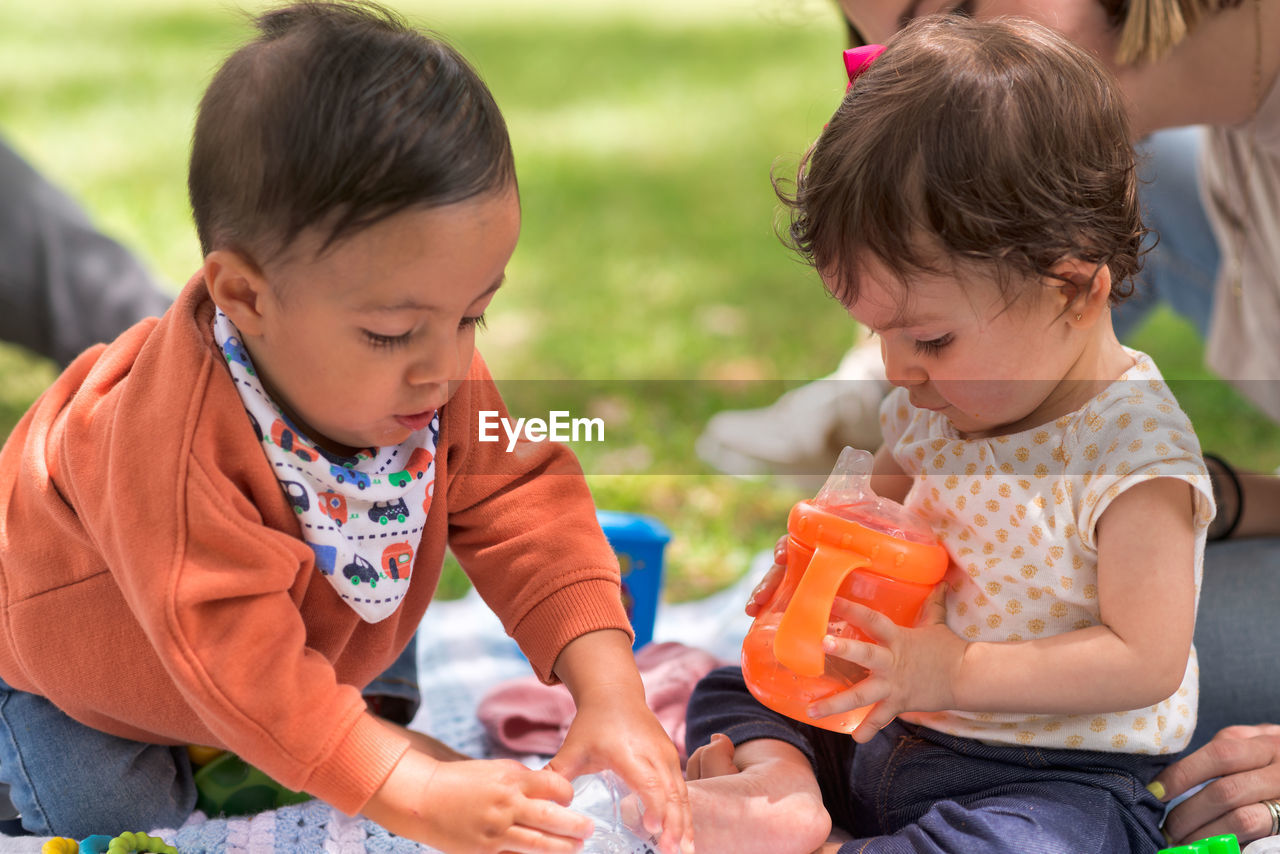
(1018, 514)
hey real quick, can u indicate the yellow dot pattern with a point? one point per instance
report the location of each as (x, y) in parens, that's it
(1018, 513)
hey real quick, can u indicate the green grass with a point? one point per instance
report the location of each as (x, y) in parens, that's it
(648, 287)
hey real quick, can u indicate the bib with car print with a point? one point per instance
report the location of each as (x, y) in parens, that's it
(363, 515)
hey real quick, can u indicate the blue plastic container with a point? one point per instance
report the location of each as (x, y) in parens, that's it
(639, 542)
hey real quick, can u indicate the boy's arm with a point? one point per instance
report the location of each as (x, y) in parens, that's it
(523, 526)
(1136, 657)
(424, 743)
(614, 728)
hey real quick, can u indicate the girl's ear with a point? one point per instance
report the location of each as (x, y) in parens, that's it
(236, 286)
(1085, 292)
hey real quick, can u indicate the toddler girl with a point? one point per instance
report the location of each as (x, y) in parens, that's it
(973, 203)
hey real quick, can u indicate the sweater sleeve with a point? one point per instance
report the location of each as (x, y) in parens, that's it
(523, 526)
(180, 515)
(221, 613)
(144, 483)
(233, 638)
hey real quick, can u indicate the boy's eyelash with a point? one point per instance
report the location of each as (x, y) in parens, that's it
(392, 341)
(386, 341)
(934, 346)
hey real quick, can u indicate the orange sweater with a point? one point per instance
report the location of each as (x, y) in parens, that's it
(153, 583)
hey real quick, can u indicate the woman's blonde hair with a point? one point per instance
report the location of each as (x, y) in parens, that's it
(1149, 29)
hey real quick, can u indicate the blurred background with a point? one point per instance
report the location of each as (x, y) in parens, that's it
(649, 288)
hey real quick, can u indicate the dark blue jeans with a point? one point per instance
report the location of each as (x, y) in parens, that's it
(913, 789)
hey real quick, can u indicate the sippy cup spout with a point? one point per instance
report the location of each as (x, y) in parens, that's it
(848, 493)
(849, 481)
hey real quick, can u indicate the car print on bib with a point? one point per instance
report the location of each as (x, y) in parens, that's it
(385, 512)
(418, 465)
(297, 495)
(342, 474)
(334, 505)
(233, 350)
(288, 440)
(360, 570)
(397, 561)
(358, 514)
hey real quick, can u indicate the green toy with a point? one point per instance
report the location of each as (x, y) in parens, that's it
(125, 843)
(1227, 844)
(230, 786)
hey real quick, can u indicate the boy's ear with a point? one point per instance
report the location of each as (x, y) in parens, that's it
(1088, 295)
(236, 286)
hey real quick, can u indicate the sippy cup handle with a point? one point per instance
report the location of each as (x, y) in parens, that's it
(798, 642)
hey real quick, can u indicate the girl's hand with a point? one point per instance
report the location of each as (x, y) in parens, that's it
(485, 806)
(763, 592)
(615, 730)
(1243, 763)
(908, 669)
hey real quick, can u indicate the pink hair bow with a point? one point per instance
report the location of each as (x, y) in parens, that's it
(858, 59)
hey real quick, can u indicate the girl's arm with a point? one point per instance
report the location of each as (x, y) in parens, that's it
(1136, 657)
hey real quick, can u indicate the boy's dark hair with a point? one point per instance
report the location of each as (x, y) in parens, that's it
(338, 115)
(996, 146)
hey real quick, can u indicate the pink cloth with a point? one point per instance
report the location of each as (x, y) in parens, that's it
(526, 716)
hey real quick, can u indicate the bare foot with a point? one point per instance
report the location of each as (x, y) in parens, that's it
(760, 799)
(714, 759)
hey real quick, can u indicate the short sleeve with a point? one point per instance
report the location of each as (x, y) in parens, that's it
(1135, 431)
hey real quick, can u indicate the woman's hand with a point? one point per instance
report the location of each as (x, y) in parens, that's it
(1243, 765)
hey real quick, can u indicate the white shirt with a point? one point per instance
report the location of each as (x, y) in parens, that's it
(1018, 514)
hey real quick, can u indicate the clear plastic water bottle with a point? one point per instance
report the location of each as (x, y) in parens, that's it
(616, 813)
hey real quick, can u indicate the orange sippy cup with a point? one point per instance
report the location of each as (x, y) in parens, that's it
(847, 543)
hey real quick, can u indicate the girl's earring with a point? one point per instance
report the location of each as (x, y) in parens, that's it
(1079, 317)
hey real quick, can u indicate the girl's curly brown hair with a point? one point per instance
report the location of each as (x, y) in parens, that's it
(997, 146)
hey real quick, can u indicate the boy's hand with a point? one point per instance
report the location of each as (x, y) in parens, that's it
(484, 806)
(627, 738)
(908, 669)
(614, 729)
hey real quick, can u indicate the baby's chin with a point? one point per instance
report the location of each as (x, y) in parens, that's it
(349, 443)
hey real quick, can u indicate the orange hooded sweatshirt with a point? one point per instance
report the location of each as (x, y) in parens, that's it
(154, 583)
